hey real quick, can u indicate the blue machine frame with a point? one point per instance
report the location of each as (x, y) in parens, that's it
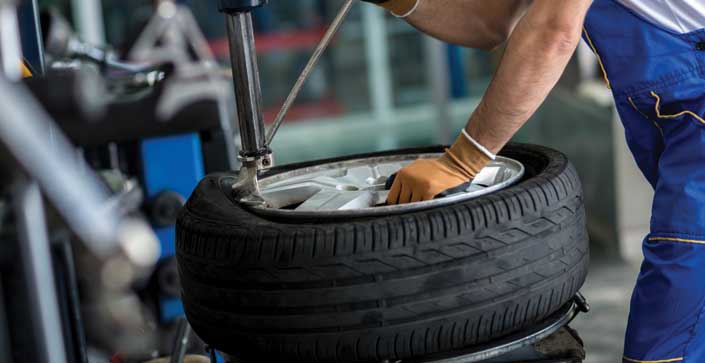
(171, 164)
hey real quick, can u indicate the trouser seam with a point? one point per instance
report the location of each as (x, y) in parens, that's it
(673, 360)
(674, 234)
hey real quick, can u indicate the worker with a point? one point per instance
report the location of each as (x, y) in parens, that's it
(652, 55)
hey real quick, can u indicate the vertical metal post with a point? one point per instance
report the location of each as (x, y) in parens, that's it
(633, 196)
(587, 62)
(379, 70)
(10, 44)
(255, 154)
(65, 270)
(89, 20)
(37, 263)
(439, 78)
(248, 93)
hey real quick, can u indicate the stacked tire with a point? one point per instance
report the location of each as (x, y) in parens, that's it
(370, 289)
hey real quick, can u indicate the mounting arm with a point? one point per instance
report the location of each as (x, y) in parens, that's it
(255, 154)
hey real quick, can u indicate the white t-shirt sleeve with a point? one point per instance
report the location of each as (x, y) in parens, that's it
(681, 16)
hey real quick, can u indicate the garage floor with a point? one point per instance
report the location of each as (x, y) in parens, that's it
(608, 290)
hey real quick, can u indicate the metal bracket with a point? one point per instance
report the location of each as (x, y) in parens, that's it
(263, 158)
(246, 189)
(582, 303)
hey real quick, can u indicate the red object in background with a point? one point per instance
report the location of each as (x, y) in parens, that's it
(287, 41)
(326, 107)
(275, 41)
(117, 358)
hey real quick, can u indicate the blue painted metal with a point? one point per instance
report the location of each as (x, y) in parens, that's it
(175, 164)
(171, 308)
(31, 35)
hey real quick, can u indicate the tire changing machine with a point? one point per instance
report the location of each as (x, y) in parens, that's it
(551, 341)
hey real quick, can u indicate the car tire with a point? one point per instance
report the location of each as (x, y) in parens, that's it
(370, 289)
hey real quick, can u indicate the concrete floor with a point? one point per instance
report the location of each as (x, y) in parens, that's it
(608, 290)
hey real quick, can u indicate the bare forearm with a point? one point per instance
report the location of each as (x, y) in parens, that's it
(472, 23)
(536, 56)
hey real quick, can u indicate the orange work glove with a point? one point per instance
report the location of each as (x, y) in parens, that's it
(424, 179)
(400, 8)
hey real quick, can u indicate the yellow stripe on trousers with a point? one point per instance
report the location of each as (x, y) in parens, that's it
(654, 361)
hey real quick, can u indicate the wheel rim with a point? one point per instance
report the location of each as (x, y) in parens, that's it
(357, 187)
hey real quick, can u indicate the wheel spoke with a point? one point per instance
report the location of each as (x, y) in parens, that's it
(337, 200)
(289, 195)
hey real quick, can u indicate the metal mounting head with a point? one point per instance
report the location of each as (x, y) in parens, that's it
(246, 189)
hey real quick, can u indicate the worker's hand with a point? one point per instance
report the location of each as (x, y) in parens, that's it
(426, 178)
(401, 8)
